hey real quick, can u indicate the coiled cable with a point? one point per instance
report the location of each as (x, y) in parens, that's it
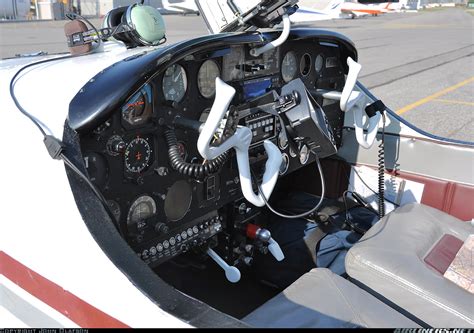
(195, 170)
(297, 216)
(381, 170)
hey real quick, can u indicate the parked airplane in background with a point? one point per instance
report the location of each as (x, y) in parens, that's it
(179, 7)
(387, 7)
(336, 9)
(308, 14)
(355, 9)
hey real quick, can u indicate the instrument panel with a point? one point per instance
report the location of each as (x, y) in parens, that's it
(164, 211)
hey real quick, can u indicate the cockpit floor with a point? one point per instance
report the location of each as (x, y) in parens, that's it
(209, 285)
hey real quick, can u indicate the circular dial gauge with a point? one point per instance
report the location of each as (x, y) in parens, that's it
(282, 140)
(138, 110)
(207, 78)
(292, 152)
(305, 64)
(137, 155)
(304, 154)
(141, 209)
(175, 83)
(289, 66)
(318, 63)
(285, 162)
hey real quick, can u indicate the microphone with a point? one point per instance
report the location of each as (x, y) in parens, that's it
(80, 39)
(74, 31)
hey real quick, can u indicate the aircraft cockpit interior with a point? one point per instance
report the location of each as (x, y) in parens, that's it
(178, 209)
(218, 161)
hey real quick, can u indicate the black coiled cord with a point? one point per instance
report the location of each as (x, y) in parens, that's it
(195, 170)
(381, 170)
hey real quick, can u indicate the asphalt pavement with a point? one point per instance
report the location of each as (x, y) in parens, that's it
(420, 64)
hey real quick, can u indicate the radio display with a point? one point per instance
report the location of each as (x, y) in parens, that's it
(256, 88)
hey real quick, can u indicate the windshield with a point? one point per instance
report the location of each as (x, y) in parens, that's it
(417, 58)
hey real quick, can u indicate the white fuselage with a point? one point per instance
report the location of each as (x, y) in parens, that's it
(41, 227)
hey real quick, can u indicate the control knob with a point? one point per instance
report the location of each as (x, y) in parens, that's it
(161, 228)
(116, 145)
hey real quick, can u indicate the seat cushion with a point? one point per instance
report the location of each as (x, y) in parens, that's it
(322, 299)
(390, 259)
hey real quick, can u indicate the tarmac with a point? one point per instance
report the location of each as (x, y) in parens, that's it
(420, 64)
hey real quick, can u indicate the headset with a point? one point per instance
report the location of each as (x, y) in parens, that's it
(134, 25)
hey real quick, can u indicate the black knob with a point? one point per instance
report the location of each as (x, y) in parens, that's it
(161, 228)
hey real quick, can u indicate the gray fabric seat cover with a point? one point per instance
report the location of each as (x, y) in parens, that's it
(389, 259)
(322, 299)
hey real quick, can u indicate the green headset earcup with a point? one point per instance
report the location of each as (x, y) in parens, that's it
(148, 23)
(115, 17)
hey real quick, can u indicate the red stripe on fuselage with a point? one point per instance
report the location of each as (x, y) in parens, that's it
(77, 310)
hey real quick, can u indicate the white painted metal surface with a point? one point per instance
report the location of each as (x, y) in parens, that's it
(41, 226)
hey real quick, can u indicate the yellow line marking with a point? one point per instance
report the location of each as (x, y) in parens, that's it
(434, 96)
(451, 101)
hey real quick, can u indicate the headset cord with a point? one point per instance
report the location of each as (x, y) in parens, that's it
(381, 170)
(311, 211)
(347, 218)
(55, 146)
(71, 17)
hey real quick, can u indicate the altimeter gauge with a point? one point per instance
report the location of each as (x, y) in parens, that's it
(175, 83)
(207, 75)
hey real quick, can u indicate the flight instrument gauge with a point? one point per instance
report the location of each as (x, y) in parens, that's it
(138, 109)
(289, 66)
(304, 154)
(285, 163)
(207, 78)
(175, 83)
(319, 63)
(137, 155)
(141, 209)
(282, 140)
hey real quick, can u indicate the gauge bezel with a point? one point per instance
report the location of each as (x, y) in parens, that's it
(292, 153)
(147, 92)
(285, 159)
(319, 56)
(306, 159)
(185, 80)
(148, 161)
(282, 135)
(137, 202)
(293, 76)
(306, 63)
(200, 87)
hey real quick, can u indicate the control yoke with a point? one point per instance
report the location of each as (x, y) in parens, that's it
(356, 102)
(240, 141)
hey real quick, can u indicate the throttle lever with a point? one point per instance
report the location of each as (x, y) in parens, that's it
(240, 141)
(255, 232)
